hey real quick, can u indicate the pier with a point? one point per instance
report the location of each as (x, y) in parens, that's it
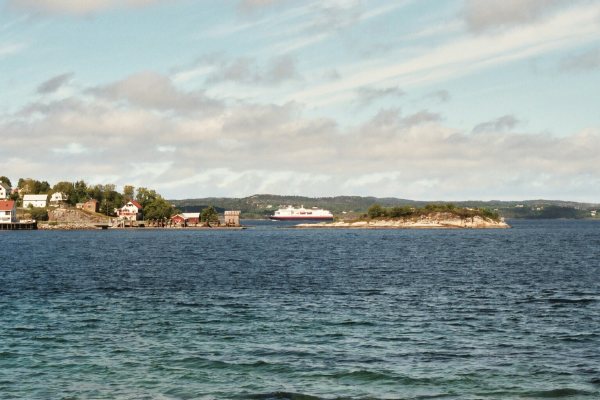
(18, 226)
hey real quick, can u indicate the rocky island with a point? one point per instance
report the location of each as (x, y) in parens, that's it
(445, 216)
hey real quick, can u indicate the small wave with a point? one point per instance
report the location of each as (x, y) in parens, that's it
(557, 393)
(282, 396)
(25, 328)
(353, 323)
(185, 304)
(571, 301)
(91, 320)
(110, 289)
(369, 292)
(362, 375)
(580, 337)
(53, 339)
(8, 354)
(198, 362)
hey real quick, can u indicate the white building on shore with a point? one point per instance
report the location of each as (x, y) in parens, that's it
(35, 200)
(8, 211)
(57, 198)
(4, 190)
(132, 211)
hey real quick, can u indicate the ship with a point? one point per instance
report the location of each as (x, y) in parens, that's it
(291, 213)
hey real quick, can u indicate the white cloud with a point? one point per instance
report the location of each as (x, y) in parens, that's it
(156, 91)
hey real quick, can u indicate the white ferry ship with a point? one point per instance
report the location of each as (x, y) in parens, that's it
(290, 213)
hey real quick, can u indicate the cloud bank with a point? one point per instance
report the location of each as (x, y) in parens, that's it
(128, 132)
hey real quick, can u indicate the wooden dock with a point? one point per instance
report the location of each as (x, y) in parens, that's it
(18, 226)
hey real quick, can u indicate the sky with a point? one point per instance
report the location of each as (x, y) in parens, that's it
(419, 99)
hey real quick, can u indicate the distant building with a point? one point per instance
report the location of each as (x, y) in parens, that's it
(186, 219)
(35, 200)
(4, 190)
(8, 211)
(192, 218)
(90, 205)
(132, 211)
(57, 198)
(593, 213)
(178, 219)
(232, 218)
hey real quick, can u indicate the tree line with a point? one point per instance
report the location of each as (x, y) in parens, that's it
(108, 197)
(154, 206)
(377, 211)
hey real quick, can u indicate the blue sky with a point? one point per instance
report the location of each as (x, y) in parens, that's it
(423, 99)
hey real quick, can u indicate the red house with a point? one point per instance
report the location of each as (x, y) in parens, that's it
(91, 205)
(186, 219)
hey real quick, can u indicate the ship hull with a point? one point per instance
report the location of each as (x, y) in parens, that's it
(300, 218)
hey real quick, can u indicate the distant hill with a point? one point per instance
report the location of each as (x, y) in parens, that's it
(263, 205)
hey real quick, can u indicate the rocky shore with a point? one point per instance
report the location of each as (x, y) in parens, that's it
(438, 221)
(66, 226)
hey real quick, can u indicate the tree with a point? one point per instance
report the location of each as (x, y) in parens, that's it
(15, 196)
(158, 208)
(4, 179)
(128, 192)
(145, 196)
(66, 188)
(397, 212)
(96, 192)
(111, 199)
(208, 215)
(376, 211)
(32, 186)
(80, 194)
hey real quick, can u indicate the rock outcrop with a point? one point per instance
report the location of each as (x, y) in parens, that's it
(435, 220)
(72, 218)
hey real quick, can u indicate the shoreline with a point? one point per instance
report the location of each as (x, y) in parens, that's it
(87, 227)
(443, 222)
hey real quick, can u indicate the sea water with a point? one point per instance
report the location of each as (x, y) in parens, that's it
(272, 313)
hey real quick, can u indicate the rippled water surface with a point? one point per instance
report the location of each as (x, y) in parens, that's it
(271, 313)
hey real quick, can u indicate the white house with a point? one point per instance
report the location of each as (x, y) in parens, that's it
(57, 198)
(132, 211)
(8, 211)
(35, 200)
(4, 190)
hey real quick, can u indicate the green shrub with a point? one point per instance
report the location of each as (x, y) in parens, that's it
(376, 211)
(39, 214)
